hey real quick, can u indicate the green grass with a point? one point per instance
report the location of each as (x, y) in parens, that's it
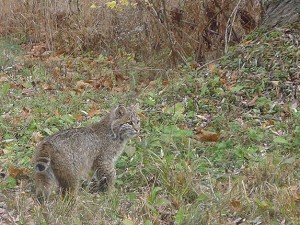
(169, 176)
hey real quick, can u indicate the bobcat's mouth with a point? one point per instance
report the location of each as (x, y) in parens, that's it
(136, 131)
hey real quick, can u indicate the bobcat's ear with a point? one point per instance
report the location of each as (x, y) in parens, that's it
(120, 111)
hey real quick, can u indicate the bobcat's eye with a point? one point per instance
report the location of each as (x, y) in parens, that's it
(130, 123)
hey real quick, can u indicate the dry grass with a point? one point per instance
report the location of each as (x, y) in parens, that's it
(170, 30)
(263, 193)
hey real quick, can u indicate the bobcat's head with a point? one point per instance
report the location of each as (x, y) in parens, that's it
(126, 122)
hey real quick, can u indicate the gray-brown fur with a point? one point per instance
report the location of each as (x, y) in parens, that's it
(65, 157)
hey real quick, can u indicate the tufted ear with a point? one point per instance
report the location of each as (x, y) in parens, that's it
(120, 111)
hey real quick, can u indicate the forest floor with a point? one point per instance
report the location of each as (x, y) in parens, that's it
(219, 143)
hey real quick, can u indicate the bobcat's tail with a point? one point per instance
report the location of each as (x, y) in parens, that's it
(42, 164)
(42, 161)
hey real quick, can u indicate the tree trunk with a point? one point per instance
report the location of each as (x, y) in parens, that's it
(282, 12)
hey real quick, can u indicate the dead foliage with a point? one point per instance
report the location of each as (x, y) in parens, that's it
(174, 29)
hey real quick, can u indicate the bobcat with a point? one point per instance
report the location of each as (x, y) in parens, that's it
(65, 157)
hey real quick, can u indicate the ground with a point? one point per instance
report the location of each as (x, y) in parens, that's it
(219, 143)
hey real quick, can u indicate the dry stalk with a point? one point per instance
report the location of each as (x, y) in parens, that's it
(229, 25)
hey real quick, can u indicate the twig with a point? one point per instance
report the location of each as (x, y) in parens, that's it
(165, 26)
(211, 187)
(230, 26)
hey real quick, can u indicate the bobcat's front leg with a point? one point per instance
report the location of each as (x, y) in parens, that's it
(104, 177)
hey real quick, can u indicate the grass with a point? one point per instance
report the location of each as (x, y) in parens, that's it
(245, 104)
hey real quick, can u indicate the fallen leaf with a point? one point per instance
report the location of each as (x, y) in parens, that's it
(94, 111)
(56, 113)
(120, 78)
(236, 205)
(247, 42)
(3, 79)
(142, 115)
(14, 172)
(212, 68)
(295, 190)
(195, 65)
(60, 52)
(207, 136)
(82, 85)
(117, 90)
(165, 82)
(26, 112)
(253, 101)
(275, 82)
(107, 82)
(47, 87)
(110, 59)
(152, 83)
(38, 50)
(19, 66)
(36, 137)
(267, 124)
(79, 117)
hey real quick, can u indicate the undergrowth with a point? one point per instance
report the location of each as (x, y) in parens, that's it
(219, 144)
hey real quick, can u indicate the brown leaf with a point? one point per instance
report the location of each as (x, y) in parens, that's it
(275, 83)
(236, 205)
(47, 87)
(60, 52)
(110, 60)
(195, 65)
(94, 111)
(207, 136)
(142, 115)
(38, 50)
(27, 91)
(14, 172)
(19, 66)
(26, 112)
(120, 89)
(79, 117)
(107, 82)
(212, 67)
(152, 83)
(82, 85)
(253, 101)
(36, 137)
(295, 191)
(56, 113)
(5, 150)
(96, 83)
(165, 82)
(120, 78)
(267, 124)
(3, 79)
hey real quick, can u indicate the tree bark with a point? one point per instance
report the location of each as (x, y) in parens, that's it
(282, 12)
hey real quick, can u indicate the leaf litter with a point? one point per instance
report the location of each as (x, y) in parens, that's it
(281, 91)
